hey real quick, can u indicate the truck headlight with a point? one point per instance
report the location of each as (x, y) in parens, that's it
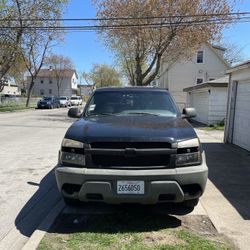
(72, 143)
(188, 153)
(72, 153)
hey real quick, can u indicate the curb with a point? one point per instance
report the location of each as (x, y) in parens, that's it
(17, 111)
(38, 234)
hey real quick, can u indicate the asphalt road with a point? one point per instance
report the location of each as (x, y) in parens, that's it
(29, 144)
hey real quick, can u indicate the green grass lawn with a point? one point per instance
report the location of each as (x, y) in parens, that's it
(214, 127)
(126, 231)
(14, 107)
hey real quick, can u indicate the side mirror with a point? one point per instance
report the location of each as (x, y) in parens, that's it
(189, 113)
(74, 113)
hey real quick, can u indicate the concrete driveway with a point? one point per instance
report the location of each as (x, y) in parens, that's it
(227, 196)
(29, 146)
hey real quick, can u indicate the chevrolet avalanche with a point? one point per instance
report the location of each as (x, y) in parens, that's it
(131, 145)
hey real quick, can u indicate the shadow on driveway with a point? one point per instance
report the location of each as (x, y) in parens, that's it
(39, 205)
(131, 216)
(120, 218)
(229, 170)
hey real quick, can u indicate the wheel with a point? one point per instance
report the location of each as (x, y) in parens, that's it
(51, 107)
(71, 202)
(190, 203)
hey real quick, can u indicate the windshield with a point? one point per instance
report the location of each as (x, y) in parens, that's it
(47, 98)
(131, 103)
(74, 98)
(63, 98)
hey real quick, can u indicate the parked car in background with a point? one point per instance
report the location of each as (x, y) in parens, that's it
(132, 145)
(64, 101)
(49, 102)
(76, 100)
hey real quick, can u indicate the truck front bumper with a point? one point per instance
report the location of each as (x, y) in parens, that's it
(161, 185)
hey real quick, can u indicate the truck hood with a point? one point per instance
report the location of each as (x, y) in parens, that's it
(130, 128)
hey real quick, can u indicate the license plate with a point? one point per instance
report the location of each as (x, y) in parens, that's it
(130, 187)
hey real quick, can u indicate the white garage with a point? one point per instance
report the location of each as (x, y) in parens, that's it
(238, 114)
(209, 99)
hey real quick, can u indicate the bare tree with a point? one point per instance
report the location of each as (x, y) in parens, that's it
(35, 54)
(233, 52)
(59, 64)
(155, 30)
(27, 31)
(10, 38)
(38, 40)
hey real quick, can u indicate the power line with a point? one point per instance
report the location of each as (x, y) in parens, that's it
(143, 25)
(128, 18)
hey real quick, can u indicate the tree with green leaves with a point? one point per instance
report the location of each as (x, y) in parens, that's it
(102, 75)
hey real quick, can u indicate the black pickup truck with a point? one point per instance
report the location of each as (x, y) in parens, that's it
(131, 145)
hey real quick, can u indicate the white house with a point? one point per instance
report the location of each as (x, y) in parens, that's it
(46, 83)
(205, 65)
(237, 130)
(209, 99)
(10, 88)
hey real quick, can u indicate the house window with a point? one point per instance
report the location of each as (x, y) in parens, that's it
(41, 92)
(200, 56)
(42, 81)
(199, 80)
(50, 91)
(50, 81)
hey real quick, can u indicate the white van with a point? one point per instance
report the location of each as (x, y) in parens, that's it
(76, 100)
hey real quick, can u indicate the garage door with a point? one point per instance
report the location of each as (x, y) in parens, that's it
(241, 133)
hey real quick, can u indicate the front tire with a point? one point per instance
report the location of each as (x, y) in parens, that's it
(190, 203)
(71, 202)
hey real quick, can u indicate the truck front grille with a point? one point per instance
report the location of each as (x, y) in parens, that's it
(114, 154)
(123, 145)
(134, 161)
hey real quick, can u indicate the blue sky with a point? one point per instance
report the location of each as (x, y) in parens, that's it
(86, 49)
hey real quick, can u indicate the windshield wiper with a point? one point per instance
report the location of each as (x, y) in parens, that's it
(142, 113)
(102, 114)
